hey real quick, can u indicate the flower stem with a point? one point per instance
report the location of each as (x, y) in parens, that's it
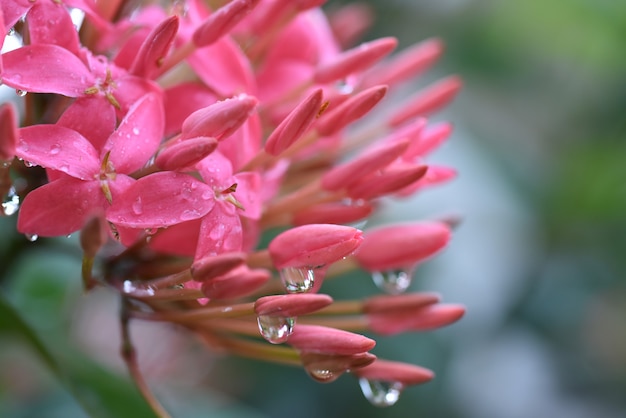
(130, 358)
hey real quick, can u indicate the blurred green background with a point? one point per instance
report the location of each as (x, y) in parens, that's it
(539, 259)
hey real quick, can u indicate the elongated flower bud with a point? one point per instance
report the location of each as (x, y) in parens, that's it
(291, 305)
(423, 318)
(185, 153)
(154, 48)
(295, 124)
(333, 213)
(354, 60)
(399, 303)
(212, 266)
(319, 339)
(401, 245)
(375, 158)
(394, 371)
(221, 22)
(350, 110)
(314, 245)
(387, 182)
(237, 283)
(431, 99)
(220, 119)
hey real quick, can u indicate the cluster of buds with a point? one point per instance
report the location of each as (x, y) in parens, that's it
(212, 156)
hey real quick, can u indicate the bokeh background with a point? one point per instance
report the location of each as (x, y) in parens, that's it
(539, 258)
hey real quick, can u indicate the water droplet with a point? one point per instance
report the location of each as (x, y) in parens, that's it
(275, 329)
(297, 279)
(55, 149)
(321, 375)
(5, 163)
(20, 93)
(393, 282)
(380, 393)
(29, 164)
(138, 206)
(137, 289)
(136, 130)
(188, 215)
(31, 237)
(10, 202)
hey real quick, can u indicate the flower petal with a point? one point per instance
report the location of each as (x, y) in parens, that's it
(138, 136)
(58, 148)
(79, 117)
(46, 69)
(59, 208)
(50, 23)
(220, 232)
(160, 200)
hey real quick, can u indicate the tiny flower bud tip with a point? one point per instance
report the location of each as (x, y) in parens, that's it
(393, 371)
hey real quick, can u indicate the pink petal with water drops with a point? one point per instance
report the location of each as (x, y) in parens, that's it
(161, 199)
(138, 135)
(58, 148)
(220, 231)
(234, 74)
(216, 170)
(50, 23)
(12, 11)
(46, 69)
(79, 117)
(59, 208)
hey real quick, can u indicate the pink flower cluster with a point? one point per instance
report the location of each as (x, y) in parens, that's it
(211, 155)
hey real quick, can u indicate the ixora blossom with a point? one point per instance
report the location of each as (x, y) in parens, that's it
(178, 140)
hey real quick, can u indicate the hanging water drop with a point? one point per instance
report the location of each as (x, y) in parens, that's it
(31, 237)
(393, 282)
(321, 374)
(379, 393)
(297, 279)
(10, 202)
(30, 164)
(20, 93)
(275, 329)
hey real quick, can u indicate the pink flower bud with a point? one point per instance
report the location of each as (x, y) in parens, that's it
(154, 48)
(350, 22)
(350, 110)
(8, 132)
(313, 245)
(221, 22)
(435, 175)
(354, 60)
(420, 319)
(372, 159)
(399, 303)
(401, 245)
(213, 266)
(333, 213)
(237, 283)
(429, 100)
(185, 153)
(220, 119)
(291, 305)
(395, 372)
(407, 64)
(295, 124)
(386, 182)
(429, 139)
(319, 339)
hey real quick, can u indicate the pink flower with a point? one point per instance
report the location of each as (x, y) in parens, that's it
(214, 160)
